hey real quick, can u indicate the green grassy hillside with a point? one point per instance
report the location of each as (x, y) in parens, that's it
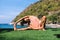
(49, 34)
(49, 8)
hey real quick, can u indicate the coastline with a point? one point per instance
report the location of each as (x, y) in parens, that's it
(8, 26)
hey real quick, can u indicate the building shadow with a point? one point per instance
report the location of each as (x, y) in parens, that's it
(53, 29)
(5, 30)
(2, 37)
(16, 38)
(57, 35)
(26, 38)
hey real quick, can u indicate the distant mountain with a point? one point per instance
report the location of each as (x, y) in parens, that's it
(49, 8)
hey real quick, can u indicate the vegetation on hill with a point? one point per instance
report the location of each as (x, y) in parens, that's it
(49, 8)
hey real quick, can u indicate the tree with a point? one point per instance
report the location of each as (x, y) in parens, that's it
(53, 18)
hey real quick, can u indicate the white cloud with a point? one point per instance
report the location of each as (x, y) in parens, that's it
(4, 17)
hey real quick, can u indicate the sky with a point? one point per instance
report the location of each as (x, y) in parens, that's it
(9, 9)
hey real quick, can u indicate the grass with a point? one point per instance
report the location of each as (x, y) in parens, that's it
(49, 34)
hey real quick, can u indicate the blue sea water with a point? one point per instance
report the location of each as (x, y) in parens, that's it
(2, 26)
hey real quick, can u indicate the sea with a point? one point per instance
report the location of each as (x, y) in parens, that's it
(10, 26)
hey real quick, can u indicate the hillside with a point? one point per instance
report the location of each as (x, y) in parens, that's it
(49, 8)
(49, 34)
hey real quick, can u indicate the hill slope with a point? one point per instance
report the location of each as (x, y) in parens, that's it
(49, 34)
(50, 8)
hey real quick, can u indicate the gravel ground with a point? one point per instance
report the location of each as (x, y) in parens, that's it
(52, 26)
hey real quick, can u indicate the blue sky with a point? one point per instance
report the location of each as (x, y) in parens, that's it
(9, 9)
